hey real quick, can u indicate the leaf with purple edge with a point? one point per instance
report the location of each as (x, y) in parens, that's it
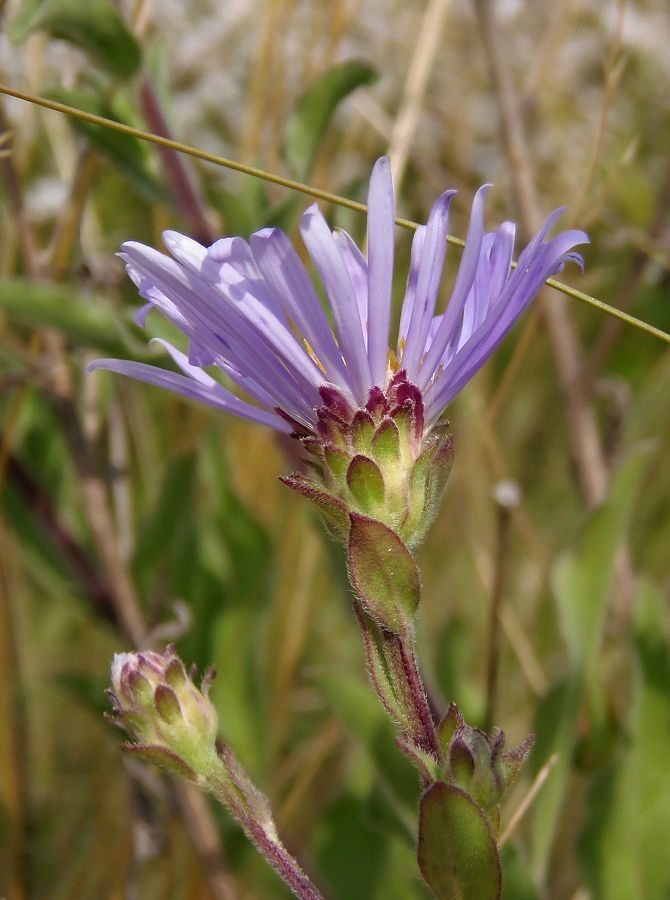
(457, 853)
(383, 573)
(162, 757)
(331, 508)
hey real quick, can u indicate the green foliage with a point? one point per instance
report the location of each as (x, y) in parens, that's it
(82, 319)
(222, 560)
(306, 128)
(94, 26)
(127, 154)
(582, 581)
(623, 845)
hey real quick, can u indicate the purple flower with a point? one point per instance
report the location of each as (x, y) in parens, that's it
(250, 309)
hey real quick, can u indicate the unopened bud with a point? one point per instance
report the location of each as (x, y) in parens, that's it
(476, 762)
(169, 718)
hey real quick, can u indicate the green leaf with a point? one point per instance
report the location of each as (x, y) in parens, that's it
(94, 26)
(651, 737)
(556, 729)
(383, 573)
(360, 861)
(516, 878)
(331, 508)
(84, 320)
(164, 525)
(355, 704)
(457, 854)
(623, 848)
(128, 154)
(582, 579)
(307, 126)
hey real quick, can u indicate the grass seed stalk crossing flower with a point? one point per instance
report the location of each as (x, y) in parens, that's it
(367, 410)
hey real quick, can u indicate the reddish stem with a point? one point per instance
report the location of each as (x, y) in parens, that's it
(182, 187)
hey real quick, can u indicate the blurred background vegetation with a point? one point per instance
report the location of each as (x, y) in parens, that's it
(130, 515)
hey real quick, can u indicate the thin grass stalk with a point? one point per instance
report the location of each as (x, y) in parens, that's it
(319, 194)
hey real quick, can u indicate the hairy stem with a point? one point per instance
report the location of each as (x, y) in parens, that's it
(249, 808)
(395, 676)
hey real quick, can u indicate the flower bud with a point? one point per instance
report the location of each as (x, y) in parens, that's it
(379, 461)
(171, 720)
(477, 762)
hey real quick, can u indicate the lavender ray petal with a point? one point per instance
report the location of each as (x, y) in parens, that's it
(219, 326)
(410, 289)
(464, 280)
(234, 288)
(216, 265)
(477, 303)
(180, 359)
(502, 253)
(381, 226)
(520, 291)
(215, 396)
(357, 267)
(238, 253)
(195, 371)
(328, 260)
(528, 253)
(283, 269)
(140, 315)
(429, 276)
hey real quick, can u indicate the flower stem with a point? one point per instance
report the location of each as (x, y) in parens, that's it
(230, 785)
(283, 863)
(417, 691)
(396, 679)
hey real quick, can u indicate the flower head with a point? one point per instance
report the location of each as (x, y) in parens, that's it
(250, 310)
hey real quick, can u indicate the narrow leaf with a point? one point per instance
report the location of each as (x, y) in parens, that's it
(84, 320)
(583, 578)
(331, 508)
(95, 27)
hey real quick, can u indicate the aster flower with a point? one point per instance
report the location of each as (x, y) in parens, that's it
(250, 310)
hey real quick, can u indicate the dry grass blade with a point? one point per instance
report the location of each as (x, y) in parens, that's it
(527, 801)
